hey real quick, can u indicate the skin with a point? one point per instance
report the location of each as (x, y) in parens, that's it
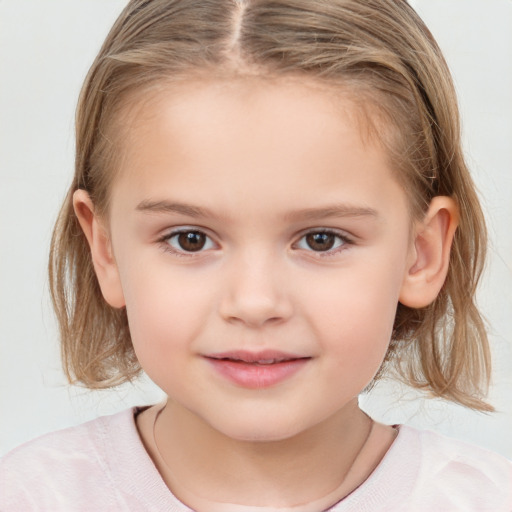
(267, 163)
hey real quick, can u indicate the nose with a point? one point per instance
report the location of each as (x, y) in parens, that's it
(255, 294)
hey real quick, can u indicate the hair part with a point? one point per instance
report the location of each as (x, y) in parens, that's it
(378, 52)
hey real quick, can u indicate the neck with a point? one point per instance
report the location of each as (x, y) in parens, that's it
(203, 467)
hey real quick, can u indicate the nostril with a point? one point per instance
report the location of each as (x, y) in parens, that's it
(252, 295)
(256, 313)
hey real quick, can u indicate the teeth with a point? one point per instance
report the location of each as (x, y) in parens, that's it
(258, 362)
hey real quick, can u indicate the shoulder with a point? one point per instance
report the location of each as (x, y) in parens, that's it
(457, 475)
(64, 466)
(428, 472)
(66, 446)
(444, 454)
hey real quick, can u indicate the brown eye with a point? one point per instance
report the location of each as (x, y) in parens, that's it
(320, 241)
(189, 241)
(323, 241)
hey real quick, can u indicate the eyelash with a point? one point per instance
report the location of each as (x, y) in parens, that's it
(166, 239)
(341, 237)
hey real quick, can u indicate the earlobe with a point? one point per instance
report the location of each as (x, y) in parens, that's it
(430, 253)
(101, 250)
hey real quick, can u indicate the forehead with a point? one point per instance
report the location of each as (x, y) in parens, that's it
(220, 103)
(279, 137)
(190, 98)
(348, 95)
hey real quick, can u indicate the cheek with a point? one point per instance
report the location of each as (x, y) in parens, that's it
(354, 321)
(165, 315)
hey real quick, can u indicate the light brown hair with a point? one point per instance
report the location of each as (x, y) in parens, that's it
(379, 52)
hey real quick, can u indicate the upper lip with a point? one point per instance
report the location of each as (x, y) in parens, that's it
(262, 356)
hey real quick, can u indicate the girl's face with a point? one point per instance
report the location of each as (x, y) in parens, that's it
(260, 247)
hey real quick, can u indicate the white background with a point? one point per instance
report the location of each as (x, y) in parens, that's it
(46, 48)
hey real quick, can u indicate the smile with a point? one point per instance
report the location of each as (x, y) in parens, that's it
(256, 370)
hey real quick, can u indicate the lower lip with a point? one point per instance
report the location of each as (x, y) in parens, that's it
(256, 376)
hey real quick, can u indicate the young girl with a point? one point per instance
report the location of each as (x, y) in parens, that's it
(270, 208)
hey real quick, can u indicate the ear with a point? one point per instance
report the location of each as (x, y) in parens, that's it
(430, 253)
(101, 249)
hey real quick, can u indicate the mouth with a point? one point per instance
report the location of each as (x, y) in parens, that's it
(264, 357)
(256, 370)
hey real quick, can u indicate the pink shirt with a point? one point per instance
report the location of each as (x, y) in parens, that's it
(103, 466)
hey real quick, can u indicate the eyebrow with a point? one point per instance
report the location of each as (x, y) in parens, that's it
(335, 210)
(174, 207)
